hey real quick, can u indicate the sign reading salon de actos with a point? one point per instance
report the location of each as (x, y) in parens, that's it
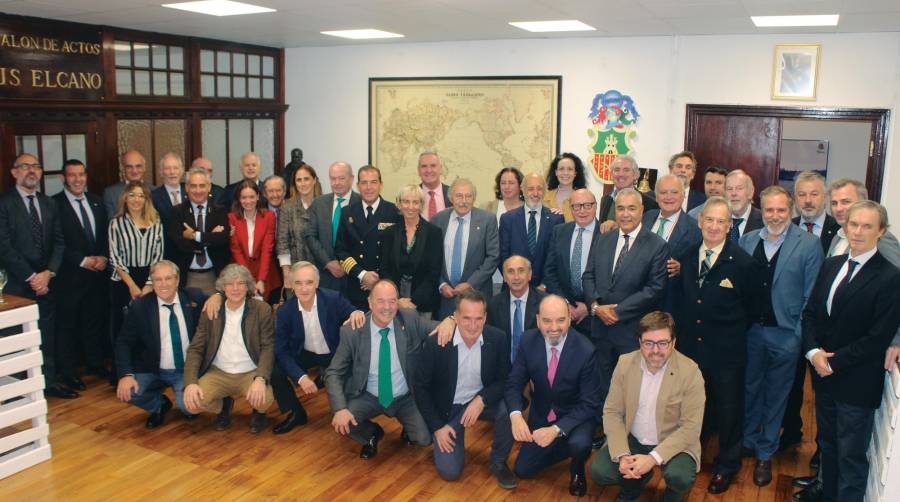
(46, 62)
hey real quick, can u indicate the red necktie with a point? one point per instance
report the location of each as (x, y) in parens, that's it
(551, 375)
(432, 205)
(809, 226)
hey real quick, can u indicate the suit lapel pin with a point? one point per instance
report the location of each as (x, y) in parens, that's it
(477, 228)
(350, 219)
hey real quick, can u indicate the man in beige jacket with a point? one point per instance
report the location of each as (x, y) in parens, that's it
(652, 416)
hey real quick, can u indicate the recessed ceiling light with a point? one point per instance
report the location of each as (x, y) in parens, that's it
(784, 21)
(219, 7)
(362, 34)
(548, 26)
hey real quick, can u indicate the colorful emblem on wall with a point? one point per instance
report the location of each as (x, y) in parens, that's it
(613, 117)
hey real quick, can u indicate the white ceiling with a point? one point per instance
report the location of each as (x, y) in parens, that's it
(298, 22)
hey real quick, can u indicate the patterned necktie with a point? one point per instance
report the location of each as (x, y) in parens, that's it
(86, 225)
(432, 205)
(385, 385)
(551, 375)
(516, 330)
(175, 335)
(809, 226)
(37, 230)
(622, 254)
(201, 258)
(735, 233)
(176, 198)
(336, 219)
(705, 266)
(575, 263)
(661, 229)
(456, 255)
(532, 234)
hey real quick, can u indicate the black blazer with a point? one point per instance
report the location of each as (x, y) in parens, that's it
(557, 274)
(424, 262)
(70, 273)
(358, 244)
(436, 376)
(829, 230)
(19, 254)
(695, 198)
(163, 203)
(754, 221)
(575, 396)
(137, 346)
(607, 205)
(863, 320)
(685, 237)
(498, 313)
(713, 319)
(216, 243)
(226, 199)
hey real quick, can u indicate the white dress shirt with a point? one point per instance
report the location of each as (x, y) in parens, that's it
(313, 336)
(232, 356)
(670, 224)
(37, 205)
(398, 381)
(166, 354)
(586, 239)
(684, 201)
(174, 194)
(468, 369)
(713, 257)
(644, 426)
(365, 207)
(451, 235)
(842, 244)
(537, 218)
(745, 216)
(198, 235)
(549, 353)
(251, 229)
(344, 203)
(512, 311)
(621, 243)
(76, 206)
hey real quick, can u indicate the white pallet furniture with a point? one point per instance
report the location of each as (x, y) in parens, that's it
(22, 398)
(884, 449)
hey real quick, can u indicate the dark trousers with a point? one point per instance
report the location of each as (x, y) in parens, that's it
(283, 387)
(679, 472)
(792, 422)
(119, 300)
(725, 407)
(844, 434)
(81, 327)
(366, 407)
(576, 445)
(609, 348)
(450, 465)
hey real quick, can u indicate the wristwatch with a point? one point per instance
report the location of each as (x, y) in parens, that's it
(559, 431)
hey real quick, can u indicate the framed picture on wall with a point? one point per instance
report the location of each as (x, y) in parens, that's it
(795, 71)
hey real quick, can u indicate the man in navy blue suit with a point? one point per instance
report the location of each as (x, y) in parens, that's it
(562, 366)
(170, 194)
(526, 231)
(307, 332)
(683, 165)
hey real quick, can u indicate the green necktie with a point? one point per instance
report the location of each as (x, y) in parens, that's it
(336, 220)
(175, 335)
(385, 387)
(661, 229)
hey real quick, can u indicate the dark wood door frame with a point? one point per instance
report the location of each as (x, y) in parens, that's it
(878, 117)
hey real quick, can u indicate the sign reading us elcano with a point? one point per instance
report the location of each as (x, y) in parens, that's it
(39, 62)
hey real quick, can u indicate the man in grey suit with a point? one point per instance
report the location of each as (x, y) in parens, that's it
(624, 279)
(788, 260)
(471, 246)
(372, 369)
(324, 214)
(132, 166)
(844, 193)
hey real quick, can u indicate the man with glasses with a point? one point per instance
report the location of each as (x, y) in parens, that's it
(639, 438)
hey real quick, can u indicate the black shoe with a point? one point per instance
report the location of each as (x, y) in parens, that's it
(505, 477)
(747, 452)
(577, 485)
(404, 437)
(73, 382)
(370, 449)
(599, 441)
(159, 416)
(57, 390)
(320, 381)
(189, 417)
(258, 422)
(812, 493)
(293, 420)
(223, 419)
(814, 462)
(804, 481)
(787, 442)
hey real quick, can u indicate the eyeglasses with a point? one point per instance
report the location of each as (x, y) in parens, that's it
(28, 166)
(586, 205)
(662, 344)
(135, 195)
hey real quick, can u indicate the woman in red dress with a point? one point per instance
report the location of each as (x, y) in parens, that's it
(253, 238)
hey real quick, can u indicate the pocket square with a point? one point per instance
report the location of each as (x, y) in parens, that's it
(726, 283)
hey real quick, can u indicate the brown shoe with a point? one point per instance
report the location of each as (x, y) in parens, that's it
(762, 473)
(719, 484)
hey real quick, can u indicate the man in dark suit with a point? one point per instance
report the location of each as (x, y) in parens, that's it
(151, 349)
(437, 196)
(739, 192)
(847, 324)
(132, 167)
(216, 192)
(462, 382)
(716, 308)
(526, 231)
(713, 186)
(684, 166)
(471, 246)
(250, 169)
(83, 277)
(322, 228)
(561, 364)
(567, 259)
(32, 253)
(625, 278)
(514, 310)
(306, 335)
(168, 195)
(361, 387)
(788, 260)
(199, 232)
(625, 174)
(358, 244)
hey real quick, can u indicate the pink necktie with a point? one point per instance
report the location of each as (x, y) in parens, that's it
(432, 205)
(551, 375)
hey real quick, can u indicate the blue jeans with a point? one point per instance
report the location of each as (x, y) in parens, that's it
(771, 365)
(150, 386)
(450, 465)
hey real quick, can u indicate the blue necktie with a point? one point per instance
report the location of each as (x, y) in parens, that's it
(532, 234)
(516, 330)
(456, 257)
(735, 233)
(175, 335)
(86, 225)
(575, 264)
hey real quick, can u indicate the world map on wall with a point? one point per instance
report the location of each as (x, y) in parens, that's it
(477, 126)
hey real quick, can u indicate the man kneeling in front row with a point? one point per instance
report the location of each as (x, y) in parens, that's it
(657, 377)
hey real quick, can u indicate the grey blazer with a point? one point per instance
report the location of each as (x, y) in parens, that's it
(292, 223)
(318, 238)
(348, 373)
(482, 251)
(887, 246)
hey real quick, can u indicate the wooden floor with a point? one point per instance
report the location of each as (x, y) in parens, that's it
(101, 451)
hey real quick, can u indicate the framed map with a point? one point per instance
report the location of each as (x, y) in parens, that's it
(477, 125)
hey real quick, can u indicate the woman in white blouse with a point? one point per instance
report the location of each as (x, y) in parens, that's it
(507, 196)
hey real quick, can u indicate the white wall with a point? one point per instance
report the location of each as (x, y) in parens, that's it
(327, 87)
